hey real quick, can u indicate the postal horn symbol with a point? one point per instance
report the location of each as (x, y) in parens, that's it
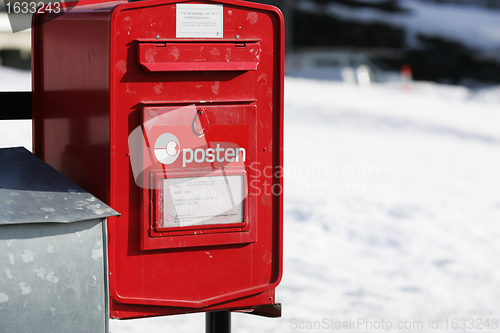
(167, 148)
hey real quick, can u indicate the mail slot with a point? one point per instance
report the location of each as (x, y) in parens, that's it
(164, 57)
(172, 114)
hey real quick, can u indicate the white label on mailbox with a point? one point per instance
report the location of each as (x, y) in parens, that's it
(199, 21)
(203, 200)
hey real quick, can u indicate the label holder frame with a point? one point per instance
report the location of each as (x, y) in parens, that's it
(155, 238)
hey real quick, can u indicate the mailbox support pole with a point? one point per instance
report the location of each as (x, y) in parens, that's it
(218, 322)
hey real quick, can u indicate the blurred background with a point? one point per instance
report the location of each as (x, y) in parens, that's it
(446, 41)
(392, 152)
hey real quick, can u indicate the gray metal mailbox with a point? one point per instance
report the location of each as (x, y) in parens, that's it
(53, 269)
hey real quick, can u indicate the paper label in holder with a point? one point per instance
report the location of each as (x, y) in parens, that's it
(199, 21)
(203, 200)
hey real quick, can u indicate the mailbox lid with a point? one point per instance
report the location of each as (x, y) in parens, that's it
(31, 191)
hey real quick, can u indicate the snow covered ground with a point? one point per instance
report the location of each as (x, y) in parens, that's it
(392, 210)
(403, 225)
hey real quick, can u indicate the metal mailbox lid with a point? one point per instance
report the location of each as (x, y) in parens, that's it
(31, 191)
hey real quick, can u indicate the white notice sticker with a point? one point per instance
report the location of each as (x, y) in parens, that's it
(199, 21)
(203, 200)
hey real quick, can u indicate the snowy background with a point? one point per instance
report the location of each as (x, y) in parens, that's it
(392, 206)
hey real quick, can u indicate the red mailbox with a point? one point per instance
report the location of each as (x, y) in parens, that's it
(171, 113)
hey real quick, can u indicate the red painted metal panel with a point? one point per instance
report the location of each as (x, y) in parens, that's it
(71, 97)
(93, 91)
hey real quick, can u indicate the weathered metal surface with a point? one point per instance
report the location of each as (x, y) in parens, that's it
(33, 192)
(53, 277)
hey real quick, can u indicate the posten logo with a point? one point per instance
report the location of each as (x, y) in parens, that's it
(167, 148)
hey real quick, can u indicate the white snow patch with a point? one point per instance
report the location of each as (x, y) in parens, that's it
(96, 254)
(14, 79)
(28, 256)
(40, 272)
(4, 298)
(52, 278)
(25, 289)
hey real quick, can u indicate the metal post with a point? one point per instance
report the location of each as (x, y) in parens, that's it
(218, 322)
